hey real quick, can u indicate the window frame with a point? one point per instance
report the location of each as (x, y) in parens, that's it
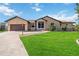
(40, 24)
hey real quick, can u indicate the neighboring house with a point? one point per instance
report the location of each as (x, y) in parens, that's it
(2, 26)
(17, 24)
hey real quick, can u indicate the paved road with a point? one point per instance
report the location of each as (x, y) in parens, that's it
(10, 45)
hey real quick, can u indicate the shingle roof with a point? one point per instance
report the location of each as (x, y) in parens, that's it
(39, 19)
(56, 20)
(15, 17)
(52, 18)
(66, 21)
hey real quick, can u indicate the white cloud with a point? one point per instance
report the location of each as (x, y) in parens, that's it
(67, 3)
(62, 15)
(6, 3)
(37, 4)
(72, 18)
(37, 7)
(8, 11)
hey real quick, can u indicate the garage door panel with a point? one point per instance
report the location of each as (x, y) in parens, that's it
(17, 27)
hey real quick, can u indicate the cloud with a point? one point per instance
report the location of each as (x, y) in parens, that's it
(63, 15)
(37, 4)
(6, 3)
(37, 7)
(8, 11)
(67, 3)
(72, 18)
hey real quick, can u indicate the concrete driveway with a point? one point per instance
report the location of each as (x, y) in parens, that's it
(11, 45)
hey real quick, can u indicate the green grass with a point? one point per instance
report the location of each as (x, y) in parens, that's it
(52, 44)
(1, 31)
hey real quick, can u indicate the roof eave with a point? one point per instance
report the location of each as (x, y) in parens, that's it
(15, 17)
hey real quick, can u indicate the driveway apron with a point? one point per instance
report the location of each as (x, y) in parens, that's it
(11, 45)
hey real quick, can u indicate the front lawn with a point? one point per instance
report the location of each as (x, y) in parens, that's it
(52, 44)
(1, 31)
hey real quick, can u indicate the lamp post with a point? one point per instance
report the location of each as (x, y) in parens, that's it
(22, 29)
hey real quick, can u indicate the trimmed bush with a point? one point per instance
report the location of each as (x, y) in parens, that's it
(52, 28)
(64, 29)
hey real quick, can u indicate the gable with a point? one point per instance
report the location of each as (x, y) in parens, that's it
(17, 20)
(50, 18)
(47, 18)
(14, 18)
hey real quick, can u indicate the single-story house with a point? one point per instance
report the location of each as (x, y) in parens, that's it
(45, 23)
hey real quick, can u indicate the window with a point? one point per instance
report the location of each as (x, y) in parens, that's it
(40, 24)
(52, 24)
(32, 25)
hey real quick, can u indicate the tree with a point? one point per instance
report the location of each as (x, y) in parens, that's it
(77, 11)
(77, 27)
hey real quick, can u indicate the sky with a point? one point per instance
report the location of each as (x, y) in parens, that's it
(33, 11)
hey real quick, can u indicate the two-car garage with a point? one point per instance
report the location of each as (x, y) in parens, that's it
(17, 24)
(17, 27)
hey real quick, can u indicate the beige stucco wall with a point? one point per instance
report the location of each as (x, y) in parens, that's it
(17, 21)
(30, 26)
(47, 24)
(69, 26)
(49, 21)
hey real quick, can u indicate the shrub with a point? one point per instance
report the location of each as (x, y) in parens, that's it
(52, 28)
(64, 29)
(77, 27)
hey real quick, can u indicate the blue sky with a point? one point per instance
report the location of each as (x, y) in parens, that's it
(33, 11)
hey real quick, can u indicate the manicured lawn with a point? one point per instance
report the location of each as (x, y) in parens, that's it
(1, 31)
(52, 44)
